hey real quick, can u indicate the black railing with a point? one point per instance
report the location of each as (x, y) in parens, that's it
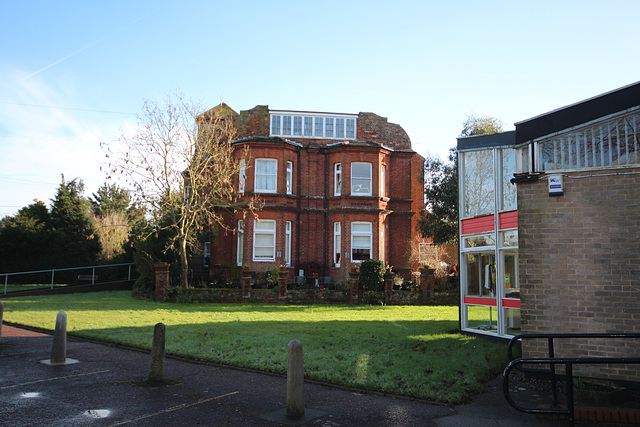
(551, 361)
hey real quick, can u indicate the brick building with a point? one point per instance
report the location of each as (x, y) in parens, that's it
(575, 236)
(335, 189)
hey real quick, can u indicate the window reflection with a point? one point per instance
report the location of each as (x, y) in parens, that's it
(508, 189)
(479, 186)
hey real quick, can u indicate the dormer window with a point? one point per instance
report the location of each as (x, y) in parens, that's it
(313, 125)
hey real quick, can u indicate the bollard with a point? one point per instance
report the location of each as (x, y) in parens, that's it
(156, 367)
(1, 314)
(295, 381)
(59, 349)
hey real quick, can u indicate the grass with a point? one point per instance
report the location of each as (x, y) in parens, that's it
(412, 351)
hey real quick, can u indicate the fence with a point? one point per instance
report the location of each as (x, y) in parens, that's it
(85, 278)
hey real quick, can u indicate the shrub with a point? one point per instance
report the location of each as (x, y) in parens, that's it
(372, 275)
(373, 298)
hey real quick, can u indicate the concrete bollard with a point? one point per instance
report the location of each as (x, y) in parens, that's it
(59, 349)
(1, 314)
(295, 381)
(156, 367)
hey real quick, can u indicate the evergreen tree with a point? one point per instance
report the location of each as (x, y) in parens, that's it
(73, 227)
(25, 238)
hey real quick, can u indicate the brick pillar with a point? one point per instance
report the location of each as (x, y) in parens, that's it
(354, 277)
(162, 280)
(246, 285)
(388, 286)
(282, 283)
(427, 283)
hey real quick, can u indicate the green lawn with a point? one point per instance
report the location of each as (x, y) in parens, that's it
(407, 350)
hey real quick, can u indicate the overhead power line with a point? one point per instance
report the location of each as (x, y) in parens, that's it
(67, 108)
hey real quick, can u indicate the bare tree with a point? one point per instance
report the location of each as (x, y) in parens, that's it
(182, 167)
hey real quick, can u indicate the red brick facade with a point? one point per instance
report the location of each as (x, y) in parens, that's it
(313, 208)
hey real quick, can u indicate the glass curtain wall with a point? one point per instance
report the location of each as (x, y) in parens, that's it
(490, 294)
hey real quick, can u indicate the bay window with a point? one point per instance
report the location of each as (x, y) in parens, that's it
(361, 241)
(361, 179)
(264, 240)
(266, 173)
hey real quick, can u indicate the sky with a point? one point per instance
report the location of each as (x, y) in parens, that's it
(74, 73)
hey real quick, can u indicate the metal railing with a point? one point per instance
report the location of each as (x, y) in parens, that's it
(551, 361)
(54, 270)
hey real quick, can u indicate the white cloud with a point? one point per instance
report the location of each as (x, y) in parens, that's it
(38, 143)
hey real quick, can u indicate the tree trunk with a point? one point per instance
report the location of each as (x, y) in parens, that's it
(184, 264)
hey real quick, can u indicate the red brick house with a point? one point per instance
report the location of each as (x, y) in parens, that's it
(336, 189)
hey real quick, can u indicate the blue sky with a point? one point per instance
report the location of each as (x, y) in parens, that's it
(72, 73)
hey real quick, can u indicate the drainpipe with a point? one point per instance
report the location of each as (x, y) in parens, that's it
(299, 201)
(325, 213)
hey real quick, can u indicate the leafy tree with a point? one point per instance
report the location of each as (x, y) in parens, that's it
(114, 214)
(475, 125)
(181, 166)
(72, 225)
(440, 218)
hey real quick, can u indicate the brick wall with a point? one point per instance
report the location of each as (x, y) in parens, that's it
(313, 208)
(579, 260)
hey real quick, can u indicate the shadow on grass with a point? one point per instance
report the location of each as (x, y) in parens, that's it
(411, 358)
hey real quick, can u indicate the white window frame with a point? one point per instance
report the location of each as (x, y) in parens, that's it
(264, 227)
(369, 179)
(297, 125)
(350, 130)
(383, 179)
(275, 125)
(242, 176)
(258, 173)
(319, 127)
(382, 244)
(240, 242)
(206, 253)
(359, 234)
(300, 124)
(287, 244)
(337, 179)
(289, 183)
(337, 243)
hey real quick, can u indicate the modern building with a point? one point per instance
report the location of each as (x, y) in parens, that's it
(567, 260)
(489, 284)
(335, 189)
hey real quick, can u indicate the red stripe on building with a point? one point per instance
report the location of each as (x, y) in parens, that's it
(477, 225)
(508, 220)
(481, 301)
(511, 303)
